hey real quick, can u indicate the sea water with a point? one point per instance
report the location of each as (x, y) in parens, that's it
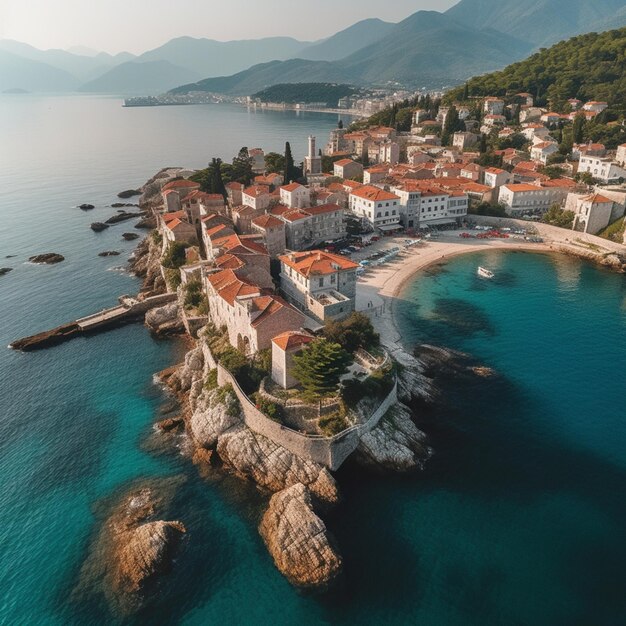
(518, 518)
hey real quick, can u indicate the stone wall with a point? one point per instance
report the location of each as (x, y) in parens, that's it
(328, 451)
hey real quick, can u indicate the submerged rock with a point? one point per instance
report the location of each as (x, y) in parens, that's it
(130, 236)
(109, 253)
(98, 227)
(5, 270)
(49, 258)
(298, 539)
(395, 444)
(86, 207)
(170, 423)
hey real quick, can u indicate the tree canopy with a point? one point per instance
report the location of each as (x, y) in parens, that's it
(320, 366)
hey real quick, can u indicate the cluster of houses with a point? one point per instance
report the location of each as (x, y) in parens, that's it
(414, 182)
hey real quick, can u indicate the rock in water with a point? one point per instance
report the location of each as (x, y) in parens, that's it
(49, 258)
(122, 216)
(298, 540)
(86, 207)
(109, 253)
(145, 553)
(98, 227)
(129, 193)
(5, 270)
(130, 236)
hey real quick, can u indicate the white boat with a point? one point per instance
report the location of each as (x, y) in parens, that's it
(484, 272)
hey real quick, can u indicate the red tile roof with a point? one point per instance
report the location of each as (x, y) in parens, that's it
(181, 184)
(267, 221)
(292, 187)
(291, 340)
(369, 192)
(317, 262)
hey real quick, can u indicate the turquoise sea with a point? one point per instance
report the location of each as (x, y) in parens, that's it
(518, 519)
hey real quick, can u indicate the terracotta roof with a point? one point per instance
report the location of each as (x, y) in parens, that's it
(173, 215)
(322, 208)
(279, 209)
(521, 187)
(229, 286)
(344, 162)
(268, 306)
(495, 170)
(352, 184)
(267, 221)
(180, 184)
(316, 262)
(256, 190)
(596, 198)
(229, 261)
(369, 192)
(291, 340)
(292, 187)
(295, 215)
(234, 186)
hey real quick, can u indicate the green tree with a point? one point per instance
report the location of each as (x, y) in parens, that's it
(290, 168)
(274, 163)
(451, 126)
(557, 216)
(578, 130)
(354, 332)
(175, 256)
(215, 177)
(483, 143)
(340, 124)
(465, 92)
(242, 167)
(320, 366)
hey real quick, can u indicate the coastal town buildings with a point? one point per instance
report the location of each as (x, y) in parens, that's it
(593, 212)
(379, 208)
(321, 284)
(604, 169)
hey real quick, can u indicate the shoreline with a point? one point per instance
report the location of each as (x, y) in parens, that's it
(379, 290)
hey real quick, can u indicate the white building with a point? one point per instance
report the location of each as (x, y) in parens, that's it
(543, 150)
(321, 284)
(295, 196)
(524, 198)
(493, 106)
(496, 177)
(379, 208)
(312, 162)
(602, 168)
(620, 156)
(592, 212)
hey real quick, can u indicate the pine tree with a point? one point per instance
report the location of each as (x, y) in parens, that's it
(483, 143)
(320, 366)
(465, 92)
(340, 124)
(451, 125)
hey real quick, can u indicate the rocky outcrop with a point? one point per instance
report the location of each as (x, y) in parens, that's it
(146, 263)
(86, 207)
(5, 270)
(215, 414)
(165, 320)
(151, 191)
(119, 205)
(145, 552)
(146, 223)
(298, 539)
(130, 236)
(170, 423)
(135, 548)
(254, 456)
(49, 258)
(129, 193)
(109, 253)
(98, 227)
(122, 216)
(395, 444)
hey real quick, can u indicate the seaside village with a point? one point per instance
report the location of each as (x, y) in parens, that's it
(266, 267)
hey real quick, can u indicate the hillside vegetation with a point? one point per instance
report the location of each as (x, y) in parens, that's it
(292, 93)
(587, 67)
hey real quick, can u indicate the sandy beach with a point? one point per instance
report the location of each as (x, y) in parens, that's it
(380, 287)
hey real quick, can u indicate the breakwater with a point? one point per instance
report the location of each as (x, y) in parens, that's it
(130, 309)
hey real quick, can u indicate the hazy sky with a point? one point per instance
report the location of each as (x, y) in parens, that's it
(139, 25)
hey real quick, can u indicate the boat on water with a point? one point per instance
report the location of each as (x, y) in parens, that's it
(484, 272)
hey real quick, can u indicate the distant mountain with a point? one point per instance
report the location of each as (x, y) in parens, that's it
(81, 67)
(347, 41)
(427, 49)
(207, 57)
(19, 73)
(541, 22)
(587, 67)
(138, 78)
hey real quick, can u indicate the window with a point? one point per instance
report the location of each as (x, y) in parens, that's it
(322, 282)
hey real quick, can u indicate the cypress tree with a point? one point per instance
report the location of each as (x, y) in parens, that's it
(578, 129)
(289, 166)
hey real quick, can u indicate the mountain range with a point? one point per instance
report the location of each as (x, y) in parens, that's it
(428, 49)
